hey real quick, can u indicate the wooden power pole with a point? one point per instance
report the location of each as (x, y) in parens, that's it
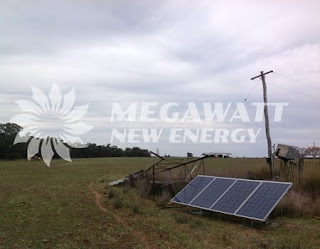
(266, 119)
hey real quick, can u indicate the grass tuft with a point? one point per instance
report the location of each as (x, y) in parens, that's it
(196, 223)
(136, 209)
(118, 204)
(143, 187)
(226, 238)
(181, 218)
(111, 194)
(163, 198)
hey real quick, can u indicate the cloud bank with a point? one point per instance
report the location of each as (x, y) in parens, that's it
(166, 51)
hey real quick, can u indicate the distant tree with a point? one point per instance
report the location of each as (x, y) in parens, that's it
(136, 152)
(312, 151)
(189, 154)
(8, 133)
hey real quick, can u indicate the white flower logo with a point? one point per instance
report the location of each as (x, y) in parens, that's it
(50, 123)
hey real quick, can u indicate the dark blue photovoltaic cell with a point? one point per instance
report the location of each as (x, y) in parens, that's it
(192, 189)
(263, 200)
(235, 196)
(214, 190)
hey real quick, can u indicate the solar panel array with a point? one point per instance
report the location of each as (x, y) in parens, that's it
(251, 199)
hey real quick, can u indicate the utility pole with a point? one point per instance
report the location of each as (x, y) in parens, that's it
(266, 119)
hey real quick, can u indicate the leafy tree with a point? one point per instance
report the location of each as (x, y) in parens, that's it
(8, 133)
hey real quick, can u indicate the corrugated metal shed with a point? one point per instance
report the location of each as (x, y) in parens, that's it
(287, 152)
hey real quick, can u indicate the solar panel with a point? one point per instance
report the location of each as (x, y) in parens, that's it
(235, 196)
(211, 193)
(192, 189)
(251, 199)
(264, 200)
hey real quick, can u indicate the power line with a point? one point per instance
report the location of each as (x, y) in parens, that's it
(290, 89)
(250, 92)
(297, 81)
(227, 124)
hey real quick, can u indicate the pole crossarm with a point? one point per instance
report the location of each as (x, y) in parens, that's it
(258, 76)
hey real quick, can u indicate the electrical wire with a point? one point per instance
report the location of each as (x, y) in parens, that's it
(289, 89)
(296, 81)
(250, 92)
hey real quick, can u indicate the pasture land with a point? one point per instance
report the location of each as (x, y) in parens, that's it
(70, 205)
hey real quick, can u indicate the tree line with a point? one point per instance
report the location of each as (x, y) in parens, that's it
(9, 131)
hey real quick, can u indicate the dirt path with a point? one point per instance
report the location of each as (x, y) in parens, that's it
(139, 234)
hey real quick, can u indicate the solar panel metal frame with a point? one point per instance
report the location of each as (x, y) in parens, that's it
(235, 180)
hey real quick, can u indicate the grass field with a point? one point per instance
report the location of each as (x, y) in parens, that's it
(70, 205)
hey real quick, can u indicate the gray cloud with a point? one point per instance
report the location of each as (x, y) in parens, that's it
(168, 51)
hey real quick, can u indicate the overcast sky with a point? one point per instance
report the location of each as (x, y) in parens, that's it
(167, 51)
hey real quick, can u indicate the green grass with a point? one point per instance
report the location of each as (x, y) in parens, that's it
(53, 207)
